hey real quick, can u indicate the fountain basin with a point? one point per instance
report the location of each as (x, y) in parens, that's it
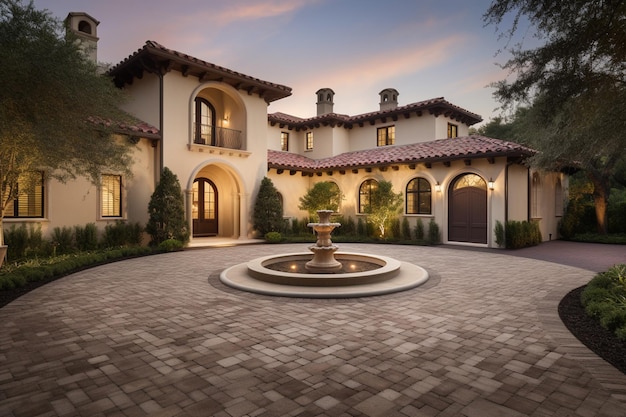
(386, 268)
(390, 276)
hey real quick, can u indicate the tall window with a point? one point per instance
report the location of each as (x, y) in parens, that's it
(386, 135)
(558, 198)
(204, 122)
(418, 196)
(111, 196)
(534, 197)
(284, 141)
(365, 193)
(308, 146)
(30, 194)
(453, 130)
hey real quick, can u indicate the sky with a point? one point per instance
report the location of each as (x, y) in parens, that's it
(422, 48)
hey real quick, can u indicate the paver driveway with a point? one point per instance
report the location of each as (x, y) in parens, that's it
(161, 336)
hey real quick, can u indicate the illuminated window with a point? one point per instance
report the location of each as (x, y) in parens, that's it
(365, 194)
(30, 194)
(111, 196)
(284, 141)
(309, 141)
(418, 196)
(453, 130)
(386, 135)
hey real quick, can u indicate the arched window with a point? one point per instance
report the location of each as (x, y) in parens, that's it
(365, 193)
(418, 197)
(84, 27)
(558, 198)
(534, 196)
(204, 122)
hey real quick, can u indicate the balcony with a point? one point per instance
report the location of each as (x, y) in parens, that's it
(222, 137)
(213, 137)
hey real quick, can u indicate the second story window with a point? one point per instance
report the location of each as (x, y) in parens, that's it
(284, 141)
(453, 130)
(308, 146)
(203, 122)
(386, 135)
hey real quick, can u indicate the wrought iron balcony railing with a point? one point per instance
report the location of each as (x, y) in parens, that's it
(222, 137)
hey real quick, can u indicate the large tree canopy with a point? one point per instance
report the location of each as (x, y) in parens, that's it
(574, 84)
(50, 96)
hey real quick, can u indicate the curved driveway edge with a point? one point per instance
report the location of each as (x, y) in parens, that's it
(161, 336)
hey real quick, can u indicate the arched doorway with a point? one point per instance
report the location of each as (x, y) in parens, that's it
(467, 209)
(204, 208)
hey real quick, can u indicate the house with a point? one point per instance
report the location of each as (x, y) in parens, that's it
(210, 126)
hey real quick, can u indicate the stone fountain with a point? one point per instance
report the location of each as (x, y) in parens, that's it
(323, 251)
(325, 274)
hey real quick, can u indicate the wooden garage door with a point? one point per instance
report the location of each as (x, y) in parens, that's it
(467, 209)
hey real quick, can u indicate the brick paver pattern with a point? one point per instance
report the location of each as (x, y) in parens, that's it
(161, 336)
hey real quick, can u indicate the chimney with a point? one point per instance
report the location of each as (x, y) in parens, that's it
(324, 101)
(84, 27)
(388, 99)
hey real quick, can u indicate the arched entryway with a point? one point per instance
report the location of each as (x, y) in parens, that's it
(467, 209)
(204, 208)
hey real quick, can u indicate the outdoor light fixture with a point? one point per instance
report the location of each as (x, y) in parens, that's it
(438, 187)
(490, 184)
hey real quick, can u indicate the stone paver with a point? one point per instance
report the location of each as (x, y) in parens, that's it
(161, 336)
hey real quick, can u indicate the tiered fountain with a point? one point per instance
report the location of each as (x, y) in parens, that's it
(325, 274)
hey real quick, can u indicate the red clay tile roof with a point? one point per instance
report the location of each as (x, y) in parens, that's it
(154, 57)
(437, 106)
(134, 127)
(437, 150)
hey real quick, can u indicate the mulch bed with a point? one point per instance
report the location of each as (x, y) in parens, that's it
(589, 331)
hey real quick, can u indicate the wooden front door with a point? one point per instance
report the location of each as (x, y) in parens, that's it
(467, 209)
(204, 209)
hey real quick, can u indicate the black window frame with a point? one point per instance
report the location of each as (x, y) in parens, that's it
(419, 199)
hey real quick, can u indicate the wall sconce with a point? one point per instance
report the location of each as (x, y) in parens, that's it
(491, 184)
(226, 120)
(438, 187)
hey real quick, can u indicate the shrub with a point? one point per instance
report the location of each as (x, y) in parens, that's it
(434, 236)
(17, 240)
(419, 229)
(273, 237)
(114, 234)
(167, 211)
(406, 229)
(349, 228)
(499, 232)
(395, 228)
(86, 237)
(361, 228)
(170, 245)
(604, 299)
(521, 234)
(268, 210)
(63, 240)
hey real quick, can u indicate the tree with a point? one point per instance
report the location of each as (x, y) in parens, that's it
(50, 98)
(574, 84)
(324, 195)
(383, 206)
(268, 210)
(167, 211)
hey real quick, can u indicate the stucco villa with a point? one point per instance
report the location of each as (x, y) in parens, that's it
(210, 126)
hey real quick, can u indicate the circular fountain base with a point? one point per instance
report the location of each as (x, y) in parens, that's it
(388, 276)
